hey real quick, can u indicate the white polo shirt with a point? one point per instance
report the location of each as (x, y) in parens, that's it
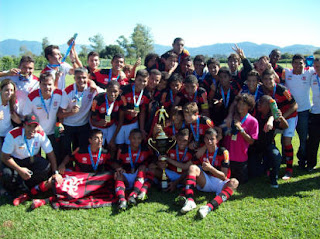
(299, 86)
(15, 144)
(5, 119)
(315, 86)
(35, 105)
(24, 87)
(69, 100)
(65, 69)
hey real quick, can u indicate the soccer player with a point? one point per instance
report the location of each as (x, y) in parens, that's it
(178, 48)
(135, 99)
(24, 79)
(210, 173)
(288, 107)
(168, 96)
(116, 73)
(298, 81)
(199, 66)
(131, 167)
(74, 110)
(210, 81)
(185, 67)
(106, 114)
(244, 131)
(177, 122)
(45, 103)
(20, 156)
(169, 62)
(275, 56)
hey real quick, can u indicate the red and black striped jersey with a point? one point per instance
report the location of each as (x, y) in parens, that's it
(204, 124)
(183, 159)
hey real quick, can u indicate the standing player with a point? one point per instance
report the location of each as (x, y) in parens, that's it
(275, 56)
(178, 48)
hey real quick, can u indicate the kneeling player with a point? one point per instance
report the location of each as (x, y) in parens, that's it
(210, 174)
(131, 168)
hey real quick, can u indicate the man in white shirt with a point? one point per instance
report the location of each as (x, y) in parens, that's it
(20, 154)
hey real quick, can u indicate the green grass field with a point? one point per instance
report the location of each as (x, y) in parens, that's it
(254, 211)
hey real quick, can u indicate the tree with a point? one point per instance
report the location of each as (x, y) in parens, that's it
(142, 41)
(84, 51)
(110, 51)
(45, 43)
(317, 52)
(97, 42)
(24, 51)
(124, 43)
(6, 63)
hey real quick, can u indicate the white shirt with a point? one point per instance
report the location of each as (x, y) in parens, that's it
(5, 119)
(35, 105)
(315, 86)
(64, 68)
(69, 100)
(299, 86)
(15, 145)
(23, 88)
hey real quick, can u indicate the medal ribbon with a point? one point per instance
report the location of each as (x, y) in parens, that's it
(94, 165)
(28, 148)
(44, 104)
(76, 95)
(184, 154)
(110, 75)
(131, 159)
(136, 103)
(196, 136)
(214, 156)
(225, 101)
(109, 109)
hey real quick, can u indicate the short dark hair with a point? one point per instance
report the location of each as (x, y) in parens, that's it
(177, 39)
(117, 55)
(44, 76)
(135, 131)
(199, 58)
(267, 72)
(155, 72)
(94, 132)
(224, 69)
(169, 54)
(190, 108)
(92, 53)
(298, 57)
(183, 132)
(248, 99)
(149, 57)
(26, 59)
(211, 131)
(113, 83)
(80, 70)
(213, 61)
(175, 77)
(191, 79)
(48, 50)
(254, 73)
(234, 56)
(143, 73)
(165, 75)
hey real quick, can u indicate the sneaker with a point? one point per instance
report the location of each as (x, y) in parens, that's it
(287, 176)
(21, 199)
(203, 211)
(180, 200)
(37, 203)
(309, 169)
(122, 205)
(274, 183)
(188, 206)
(132, 201)
(142, 196)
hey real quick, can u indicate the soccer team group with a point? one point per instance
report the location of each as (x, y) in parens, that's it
(223, 119)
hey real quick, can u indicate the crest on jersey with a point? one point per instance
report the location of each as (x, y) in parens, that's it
(84, 159)
(102, 109)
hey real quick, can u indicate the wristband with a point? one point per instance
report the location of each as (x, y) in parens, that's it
(242, 130)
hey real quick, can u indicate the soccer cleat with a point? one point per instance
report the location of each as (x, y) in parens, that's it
(37, 203)
(142, 196)
(132, 201)
(180, 200)
(287, 176)
(188, 206)
(203, 211)
(21, 199)
(122, 205)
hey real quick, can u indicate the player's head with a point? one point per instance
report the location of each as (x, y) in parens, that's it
(190, 112)
(224, 76)
(191, 84)
(178, 45)
(117, 62)
(26, 65)
(53, 54)
(176, 114)
(199, 64)
(141, 80)
(164, 81)
(298, 64)
(263, 104)
(213, 66)
(96, 138)
(8, 93)
(186, 65)
(175, 82)
(127, 70)
(135, 137)
(93, 60)
(210, 138)
(275, 56)
(234, 62)
(113, 90)
(170, 58)
(267, 79)
(245, 103)
(30, 124)
(316, 65)
(253, 79)
(46, 83)
(81, 77)
(154, 79)
(150, 60)
(183, 138)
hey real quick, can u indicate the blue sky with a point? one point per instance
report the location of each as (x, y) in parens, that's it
(204, 22)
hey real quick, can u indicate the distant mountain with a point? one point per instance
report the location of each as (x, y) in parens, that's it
(12, 47)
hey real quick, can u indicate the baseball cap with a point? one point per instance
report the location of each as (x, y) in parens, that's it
(31, 119)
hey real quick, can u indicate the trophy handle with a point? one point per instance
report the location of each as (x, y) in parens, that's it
(172, 140)
(150, 141)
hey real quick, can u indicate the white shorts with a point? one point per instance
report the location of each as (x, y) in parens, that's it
(290, 131)
(172, 175)
(131, 177)
(108, 133)
(123, 135)
(213, 184)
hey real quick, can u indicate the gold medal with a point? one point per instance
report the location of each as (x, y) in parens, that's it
(179, 170)
(107, 118)
(31, 159)
(137, 109)
(234, 137)
(1, 115)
